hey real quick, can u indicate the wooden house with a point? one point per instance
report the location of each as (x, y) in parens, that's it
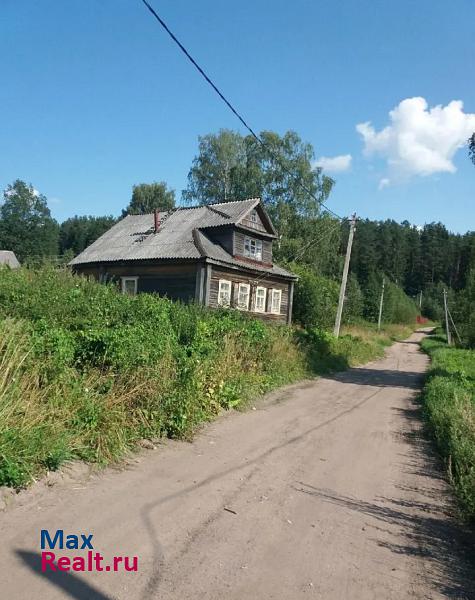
(216, 255)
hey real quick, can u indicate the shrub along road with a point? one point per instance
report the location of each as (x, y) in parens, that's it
(327, 490)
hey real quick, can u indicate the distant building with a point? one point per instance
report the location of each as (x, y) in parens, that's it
(7, 257)
(216, 255)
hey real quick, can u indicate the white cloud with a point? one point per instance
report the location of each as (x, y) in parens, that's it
(335, 164)
(419, 140)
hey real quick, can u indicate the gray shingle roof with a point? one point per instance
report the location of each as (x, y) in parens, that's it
(7, 257)
(180, 236)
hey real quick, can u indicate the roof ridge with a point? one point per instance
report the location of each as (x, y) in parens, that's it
(234, 201)
(219, 212)
(210, 205)
(147, 214)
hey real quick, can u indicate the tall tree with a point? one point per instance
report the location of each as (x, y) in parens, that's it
(217, 171)
(26, 225)
(280, 171)
(364, 257)
(412, 277)
(146, 197)
(76, 233)
(435, 259)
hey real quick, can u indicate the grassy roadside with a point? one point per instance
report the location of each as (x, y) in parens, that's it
(86, 372)
(449, 405)
(357, 345)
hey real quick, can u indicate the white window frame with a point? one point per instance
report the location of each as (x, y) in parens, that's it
(256, 307)
(275, 311)
(254, 216)
(243, 286)
(224, 283)
(254, 253)
(123, 281)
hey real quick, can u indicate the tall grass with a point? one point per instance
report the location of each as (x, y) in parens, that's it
(449, 401)
(86, 372)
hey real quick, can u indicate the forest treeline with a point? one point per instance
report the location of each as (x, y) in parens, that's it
(416, 262)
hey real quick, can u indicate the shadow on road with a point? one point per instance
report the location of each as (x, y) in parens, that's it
(381, 378)
(71, 584)
(448, 548)
(421, 516)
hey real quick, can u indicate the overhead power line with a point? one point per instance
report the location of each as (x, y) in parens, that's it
(329, 233)
(208, 79)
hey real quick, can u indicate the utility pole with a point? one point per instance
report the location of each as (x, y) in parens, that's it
(346, 267)
(381, 307)
(455, 328)
(420, 301)
(447, 328)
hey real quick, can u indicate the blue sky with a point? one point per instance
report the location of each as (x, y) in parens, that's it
(95, 97)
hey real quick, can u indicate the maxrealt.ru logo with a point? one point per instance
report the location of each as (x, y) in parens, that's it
(91, 561)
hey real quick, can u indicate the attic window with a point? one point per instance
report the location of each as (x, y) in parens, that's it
(254, 217)
(253, 248)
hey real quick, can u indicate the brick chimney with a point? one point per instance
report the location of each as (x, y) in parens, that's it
(156, 217)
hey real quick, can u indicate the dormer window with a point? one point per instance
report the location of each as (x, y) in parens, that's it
(253, 248)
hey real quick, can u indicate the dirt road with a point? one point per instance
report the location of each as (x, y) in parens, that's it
(326, 490)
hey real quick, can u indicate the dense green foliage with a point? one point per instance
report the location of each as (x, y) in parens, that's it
(449, 401)
(316, 298)
(464, 310)
(423, 262)
(26, 225)
(77, 233)
(146, 197)
(416, 259)
(85, 371)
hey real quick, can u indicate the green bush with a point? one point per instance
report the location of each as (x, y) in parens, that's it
(315, 299)
(397, 306)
